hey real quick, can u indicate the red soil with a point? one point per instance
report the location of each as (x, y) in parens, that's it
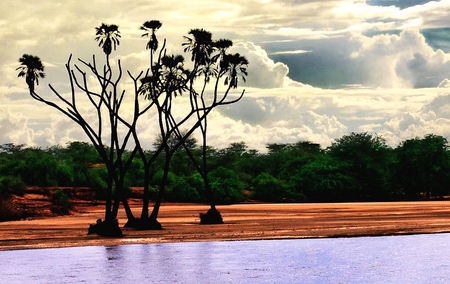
(241, 222)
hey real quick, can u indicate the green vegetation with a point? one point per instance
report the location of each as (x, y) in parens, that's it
(356, 167)
(60, 198)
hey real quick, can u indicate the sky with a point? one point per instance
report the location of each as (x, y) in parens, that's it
(318, 69)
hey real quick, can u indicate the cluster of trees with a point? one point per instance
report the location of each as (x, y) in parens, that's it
(99, 103)
(356, 167)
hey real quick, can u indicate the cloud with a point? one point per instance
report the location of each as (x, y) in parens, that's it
(400, 4)
(317, 69)
(14, 127)
(291, 52)
(263, 71)
(390, 60)
(403, 60)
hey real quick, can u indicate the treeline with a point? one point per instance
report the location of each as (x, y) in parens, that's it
(356, 167)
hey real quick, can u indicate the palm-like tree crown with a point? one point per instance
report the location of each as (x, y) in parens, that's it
(150, 27)
(108, 37)
(174, 75)
(32, 69)
(201, 45)
(221, 46)
(234, 66)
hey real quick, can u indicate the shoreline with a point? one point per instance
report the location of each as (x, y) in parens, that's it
(258, 221)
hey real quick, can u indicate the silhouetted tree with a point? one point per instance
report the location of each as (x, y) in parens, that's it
(32, 69)
(107, 37)
(206, 66)
(106, 97)
(168, 80)
(150, 28)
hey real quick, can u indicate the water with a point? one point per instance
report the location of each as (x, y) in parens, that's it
(399, 259)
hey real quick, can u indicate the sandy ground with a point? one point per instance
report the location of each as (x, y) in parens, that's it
(241, 222)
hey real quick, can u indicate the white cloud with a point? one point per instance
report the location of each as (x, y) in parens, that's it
(300, 51)
(14, 127)
(403, 60)
(263, 71)
(385, 72)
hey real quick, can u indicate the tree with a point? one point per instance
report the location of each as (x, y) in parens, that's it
(168, 80)
(226, 187)
(325, 179)
(162, 83)
(107, 37)
(150, 28)
(234, 66)
(207, 65)
(423, 166)
(32, 69)
(106, 99)
(370, 160)
(200, 45)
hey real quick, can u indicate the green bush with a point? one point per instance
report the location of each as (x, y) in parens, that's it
(326, 180)
(226, 187)
(188, 189)
(268, 188)
(64, 175)
(60, 198)
(12, 185)
(97, 180)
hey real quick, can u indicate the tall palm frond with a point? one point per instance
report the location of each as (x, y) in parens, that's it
(174, 76)
(150, 87)
(150, 27)
(32, 69)
(201, 46)
(234, 66)
(221, 45)
(108, 37)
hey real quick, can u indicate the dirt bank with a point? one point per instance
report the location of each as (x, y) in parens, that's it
(242, 222)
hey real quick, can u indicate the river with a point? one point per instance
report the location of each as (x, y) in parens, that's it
(387, 259)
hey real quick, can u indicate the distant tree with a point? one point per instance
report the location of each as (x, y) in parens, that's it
(11, 148)
(268, 188)
(326, 179)
(226, 187)
(83, 157)
(423, 166)
(370, 160)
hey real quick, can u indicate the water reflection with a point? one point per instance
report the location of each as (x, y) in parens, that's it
(401, 259)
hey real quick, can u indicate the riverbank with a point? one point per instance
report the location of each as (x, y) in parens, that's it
(241, 222)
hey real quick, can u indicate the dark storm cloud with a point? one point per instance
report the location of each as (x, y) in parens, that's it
(402, 4)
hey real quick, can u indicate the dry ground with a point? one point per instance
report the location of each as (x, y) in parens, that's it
(241, 222)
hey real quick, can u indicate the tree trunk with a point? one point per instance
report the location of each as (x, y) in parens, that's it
(145, 199)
